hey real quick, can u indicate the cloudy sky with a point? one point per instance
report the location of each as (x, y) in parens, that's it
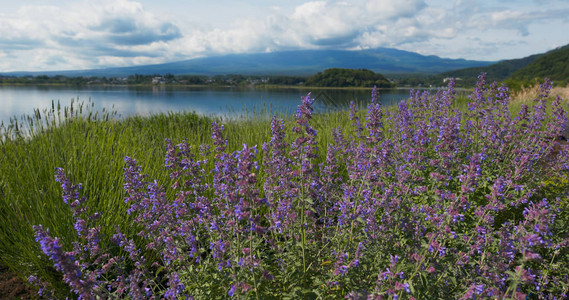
(82, 34)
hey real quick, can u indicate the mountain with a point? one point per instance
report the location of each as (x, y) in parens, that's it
(494, 72)
(298, 62)
(553, 64)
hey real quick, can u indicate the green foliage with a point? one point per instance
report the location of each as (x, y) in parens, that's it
(526, 71)
(495, 72)
(286, 80)
(52, 80)
(553, 64)
(337, 77)
(516, 73)
(91, 147)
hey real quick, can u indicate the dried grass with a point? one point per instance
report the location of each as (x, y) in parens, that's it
(527, 94)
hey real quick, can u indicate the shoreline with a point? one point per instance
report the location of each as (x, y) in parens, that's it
(259, 86)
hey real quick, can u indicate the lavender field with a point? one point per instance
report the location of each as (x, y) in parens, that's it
(428, 199)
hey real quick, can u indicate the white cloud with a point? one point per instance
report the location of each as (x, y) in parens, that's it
(83, 35)
(103, 33)
(326, 23)
(389, 9)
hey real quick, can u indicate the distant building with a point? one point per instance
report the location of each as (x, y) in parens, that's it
(448, 78)
(158, 80)
(96, 81)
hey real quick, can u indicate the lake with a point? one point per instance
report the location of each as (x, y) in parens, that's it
(227, 101)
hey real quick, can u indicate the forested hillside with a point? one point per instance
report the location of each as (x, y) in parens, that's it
(337, 77)
(496, 72)
(553, 64)
(515, 73)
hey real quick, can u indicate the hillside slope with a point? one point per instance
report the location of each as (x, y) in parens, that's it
(299, 62)
(494, 72)
(553, 64)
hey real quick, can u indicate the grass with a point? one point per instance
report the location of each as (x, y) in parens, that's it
(91, 148)
(527, 94)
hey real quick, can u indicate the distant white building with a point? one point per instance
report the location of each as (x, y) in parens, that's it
(448, 78)
(158, 80)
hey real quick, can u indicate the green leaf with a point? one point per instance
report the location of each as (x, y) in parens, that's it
(159, 270)
(453, 279)
(306, 291)
(411, 287)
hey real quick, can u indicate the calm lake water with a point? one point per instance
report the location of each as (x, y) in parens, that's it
(126, 101)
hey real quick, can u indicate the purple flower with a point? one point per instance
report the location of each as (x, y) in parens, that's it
(175, 288)
(65, 263)
(374, 122)
(433, 202)
(231, 290)
(358, 129)
(217, 137)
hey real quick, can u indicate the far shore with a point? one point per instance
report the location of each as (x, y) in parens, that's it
(256, 86)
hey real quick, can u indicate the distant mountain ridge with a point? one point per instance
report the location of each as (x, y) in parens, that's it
(297, 62)
(494, 72)
(553, 64)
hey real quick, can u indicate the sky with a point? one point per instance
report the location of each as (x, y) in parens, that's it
(50, 35)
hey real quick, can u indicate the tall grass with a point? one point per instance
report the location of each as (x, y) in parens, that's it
(527, 94)
(91, 147)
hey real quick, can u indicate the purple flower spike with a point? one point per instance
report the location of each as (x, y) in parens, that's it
(375, 95)
(65, 263)
(70, 192)
(355, 119)
(217, 136)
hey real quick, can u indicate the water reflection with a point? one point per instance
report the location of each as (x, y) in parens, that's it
(127, 101)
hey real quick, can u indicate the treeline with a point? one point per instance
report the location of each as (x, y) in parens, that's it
(51, 80)
(155, 79)
(337, 77)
